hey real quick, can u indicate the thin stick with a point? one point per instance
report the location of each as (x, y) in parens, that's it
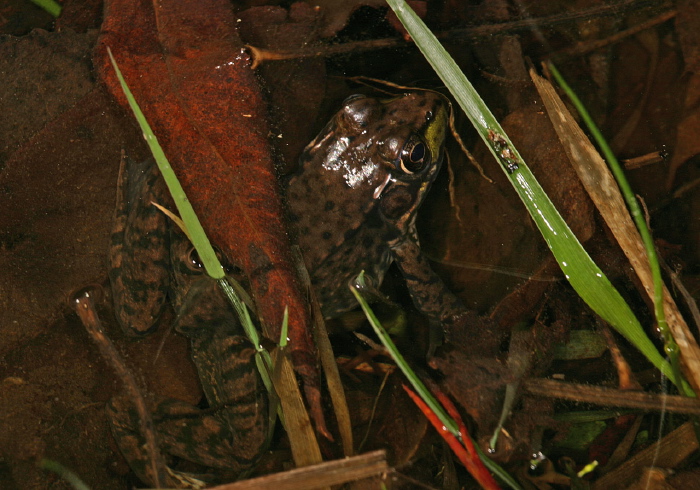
(609, 397)
(459, 36)
(84, 306)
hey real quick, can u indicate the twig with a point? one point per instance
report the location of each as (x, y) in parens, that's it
(586, 47)
(667, 453)
(609, 397)
(319, 475)
(84, 306)
(459, 36)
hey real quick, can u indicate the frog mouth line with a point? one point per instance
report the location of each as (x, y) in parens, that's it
(380, 188)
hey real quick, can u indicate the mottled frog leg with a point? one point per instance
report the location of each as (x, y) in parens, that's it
(125, 424)
(139, 250)
(206, 437)
(428, 292)
(232, 432)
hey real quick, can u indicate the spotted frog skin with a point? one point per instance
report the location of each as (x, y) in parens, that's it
(353, 205)
(354, 199)
(152, 262)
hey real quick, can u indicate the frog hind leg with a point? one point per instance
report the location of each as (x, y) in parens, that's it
(231, 434)
(211, 437)
(139, 251)
(201, 436)
(127, 432)
(233, 431)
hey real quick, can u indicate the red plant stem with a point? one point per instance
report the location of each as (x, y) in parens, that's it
(469, 459)
(454, 413)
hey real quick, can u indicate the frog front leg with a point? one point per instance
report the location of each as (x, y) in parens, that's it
(429, 293)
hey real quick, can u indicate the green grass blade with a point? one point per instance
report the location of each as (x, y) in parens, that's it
(194, 227)
(581, 272)
(671, 347)
(50, 6)
(418, 385)
(303, 439)
(196, 233)
(285, 329)
(63, 472)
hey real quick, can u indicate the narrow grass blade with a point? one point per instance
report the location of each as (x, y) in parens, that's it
(581, 272)
(50, 6)
(194, 227)
(417, 384)
(420, 388)
(610, 196)
(195, 232)
(65, 473)
(305, 448)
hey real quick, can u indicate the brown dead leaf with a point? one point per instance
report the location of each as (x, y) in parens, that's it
(687, 23)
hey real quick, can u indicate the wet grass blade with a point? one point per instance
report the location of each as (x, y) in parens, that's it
(635, 211)
(305, 448)
(432, 404)
(400, 361)
(581, 272)
(194, 227)
(49, 6)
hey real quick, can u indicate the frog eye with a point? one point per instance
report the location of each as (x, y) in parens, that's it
(415, 156)
(193, 262)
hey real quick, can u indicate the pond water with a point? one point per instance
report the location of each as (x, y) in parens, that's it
(61, 138)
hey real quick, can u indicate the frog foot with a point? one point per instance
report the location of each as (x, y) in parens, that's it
(201, 436)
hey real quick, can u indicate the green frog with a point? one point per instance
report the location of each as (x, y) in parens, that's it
(353, 204)
(355, 197)
(152, 261)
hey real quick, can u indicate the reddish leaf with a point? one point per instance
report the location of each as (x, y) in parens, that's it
(186, 66)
